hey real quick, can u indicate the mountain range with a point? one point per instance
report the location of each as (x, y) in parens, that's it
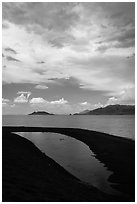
(110, 110)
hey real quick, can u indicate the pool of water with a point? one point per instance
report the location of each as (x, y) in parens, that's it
(74, 156)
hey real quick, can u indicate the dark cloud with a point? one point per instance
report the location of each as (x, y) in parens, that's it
(103, 26)
(120, 13)
(60, 40)
(102, 48)
(14, 12)
(56, 42)
(126, 44)
(9, 58)
(123, 36)
(125, 39)
(56, 16)
(8, 49)
(45, 17)
(41, 62)
(5, 26)
(116, 15)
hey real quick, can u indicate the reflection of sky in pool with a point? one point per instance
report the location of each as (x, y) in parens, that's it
(74, 155)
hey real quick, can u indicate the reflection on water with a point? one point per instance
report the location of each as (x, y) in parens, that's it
(74, 156)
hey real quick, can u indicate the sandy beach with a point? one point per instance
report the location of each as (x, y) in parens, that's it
(29, 175)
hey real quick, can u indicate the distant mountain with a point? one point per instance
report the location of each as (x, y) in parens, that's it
(111, 110)
(83, 112)
(40, 113)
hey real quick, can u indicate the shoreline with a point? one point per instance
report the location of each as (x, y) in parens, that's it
(115, 152)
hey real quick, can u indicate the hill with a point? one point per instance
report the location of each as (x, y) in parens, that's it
(40, 113)
(111, 110)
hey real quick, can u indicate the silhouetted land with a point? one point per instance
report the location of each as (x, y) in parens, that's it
(40, 113)
(110, 110)
(29, 175)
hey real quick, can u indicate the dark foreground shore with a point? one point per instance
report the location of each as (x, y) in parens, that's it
(29, 175)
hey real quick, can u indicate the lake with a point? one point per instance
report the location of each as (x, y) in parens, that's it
(74, 156)
(119, 125)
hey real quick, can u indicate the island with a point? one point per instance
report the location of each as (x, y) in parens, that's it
(110, 110)
(40, 113)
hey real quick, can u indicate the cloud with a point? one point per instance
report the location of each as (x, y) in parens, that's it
(123, 39)
(84, 103)
(112, 101)
(5, 102)
(41, 100)
(59, 106)
(23, 98)
(60, 101)
(98, 105)
(4, 25)
(27, 93)
(88, 106)
(126, 96)
(8, 49)
(86, 41)
(9, 58)
(102, 48)
(84, 106)
(41, 86)
(94, 71)
(127, 93)
(37, 100)
(31, 49)
(61, 17)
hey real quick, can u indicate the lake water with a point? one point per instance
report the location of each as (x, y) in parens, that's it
(119, 125)
(74, 156)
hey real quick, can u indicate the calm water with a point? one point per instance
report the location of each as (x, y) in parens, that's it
(74, 156)
(121, 125)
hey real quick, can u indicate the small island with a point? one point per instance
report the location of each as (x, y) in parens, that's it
(40, 113)
(111, 110)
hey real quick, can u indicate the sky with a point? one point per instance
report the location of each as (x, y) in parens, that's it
(66, 57)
